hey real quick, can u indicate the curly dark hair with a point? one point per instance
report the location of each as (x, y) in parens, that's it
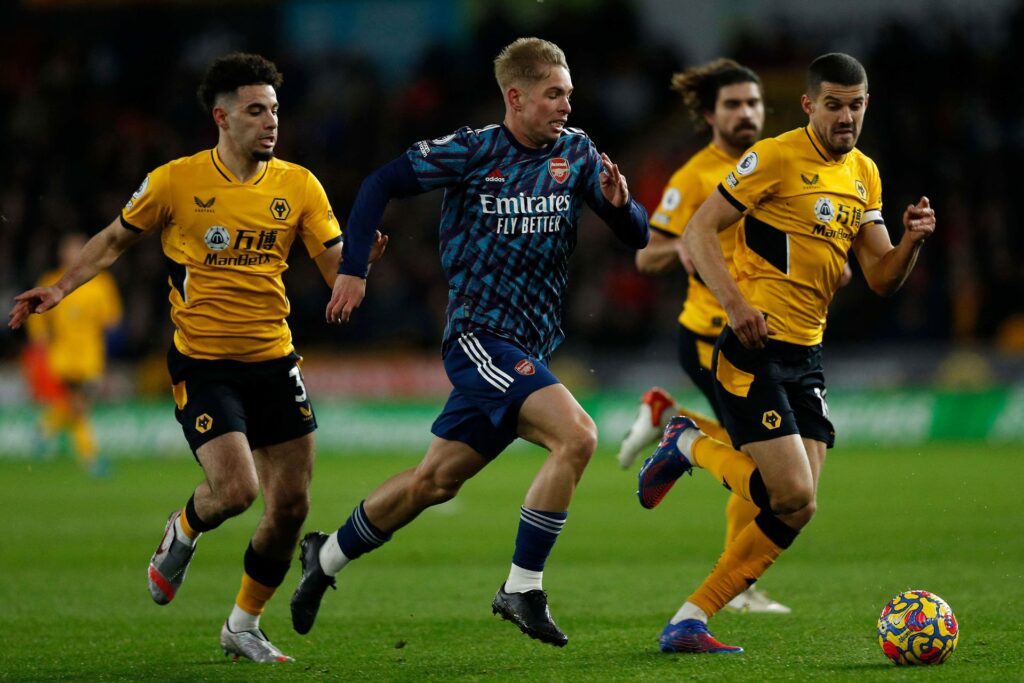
(699, 86)
(232, 71)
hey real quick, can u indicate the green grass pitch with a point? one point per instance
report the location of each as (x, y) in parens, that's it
(74, 604)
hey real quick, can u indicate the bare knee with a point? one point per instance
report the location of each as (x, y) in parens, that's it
(798, 519)
(794, 499)
(579, 443)
(235, 497)
(803, 516)
(291, 512)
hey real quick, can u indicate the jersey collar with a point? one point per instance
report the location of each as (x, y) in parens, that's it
(229, 176)
(542, 152)
(722, 154)
(819, 148)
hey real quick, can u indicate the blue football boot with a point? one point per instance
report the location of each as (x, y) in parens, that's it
(692, 635)
(661, 470)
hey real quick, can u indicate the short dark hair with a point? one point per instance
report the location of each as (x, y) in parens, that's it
(699, 86)
(232, 71)
(835, 67)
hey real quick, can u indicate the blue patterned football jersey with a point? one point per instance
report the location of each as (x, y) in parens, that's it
(508, 225)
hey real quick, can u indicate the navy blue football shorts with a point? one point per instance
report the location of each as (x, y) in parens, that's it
(492, 378)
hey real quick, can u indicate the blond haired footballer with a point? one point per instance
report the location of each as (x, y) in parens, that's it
(514, 192)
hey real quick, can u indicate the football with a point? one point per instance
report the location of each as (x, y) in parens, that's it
(917, 627)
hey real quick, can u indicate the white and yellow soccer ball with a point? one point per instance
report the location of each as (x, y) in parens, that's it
(917, 627)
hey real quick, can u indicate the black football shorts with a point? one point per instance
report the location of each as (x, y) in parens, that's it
(771, 392)
(265, 400)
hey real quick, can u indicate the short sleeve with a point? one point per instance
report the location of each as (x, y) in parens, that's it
(756, 177)
(682, 197)
(149, 207)
(319, 227)
(442, 161)
(873, 203)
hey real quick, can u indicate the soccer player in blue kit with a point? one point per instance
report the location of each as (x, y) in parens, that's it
(513, 197)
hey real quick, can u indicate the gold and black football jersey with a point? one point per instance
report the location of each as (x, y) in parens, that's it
(74, 333)
(802, 212)
(686, 191)
(227, 243)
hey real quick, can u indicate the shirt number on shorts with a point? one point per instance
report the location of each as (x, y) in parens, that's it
(820, 393)
(300, 395)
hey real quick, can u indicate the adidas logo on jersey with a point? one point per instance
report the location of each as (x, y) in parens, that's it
(494, 176)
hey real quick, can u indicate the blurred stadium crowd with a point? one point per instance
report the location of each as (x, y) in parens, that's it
(91, 105)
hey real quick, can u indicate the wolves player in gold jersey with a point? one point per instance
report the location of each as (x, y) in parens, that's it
(71, 341)
(227, 218)
(806, 198)
(724, 98)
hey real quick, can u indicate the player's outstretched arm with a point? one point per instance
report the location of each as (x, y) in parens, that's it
(395, 179)
(886, 267)
(700, 238)
(661, 255)
(363, 242)
(98, 253)
(328, 261)
(362, 239)
(348, 293)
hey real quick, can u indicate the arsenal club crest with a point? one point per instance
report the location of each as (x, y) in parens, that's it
(525, 367)
(559, 169)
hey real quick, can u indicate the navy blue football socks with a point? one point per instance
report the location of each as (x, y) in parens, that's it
(538, 531)
(358, 535)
